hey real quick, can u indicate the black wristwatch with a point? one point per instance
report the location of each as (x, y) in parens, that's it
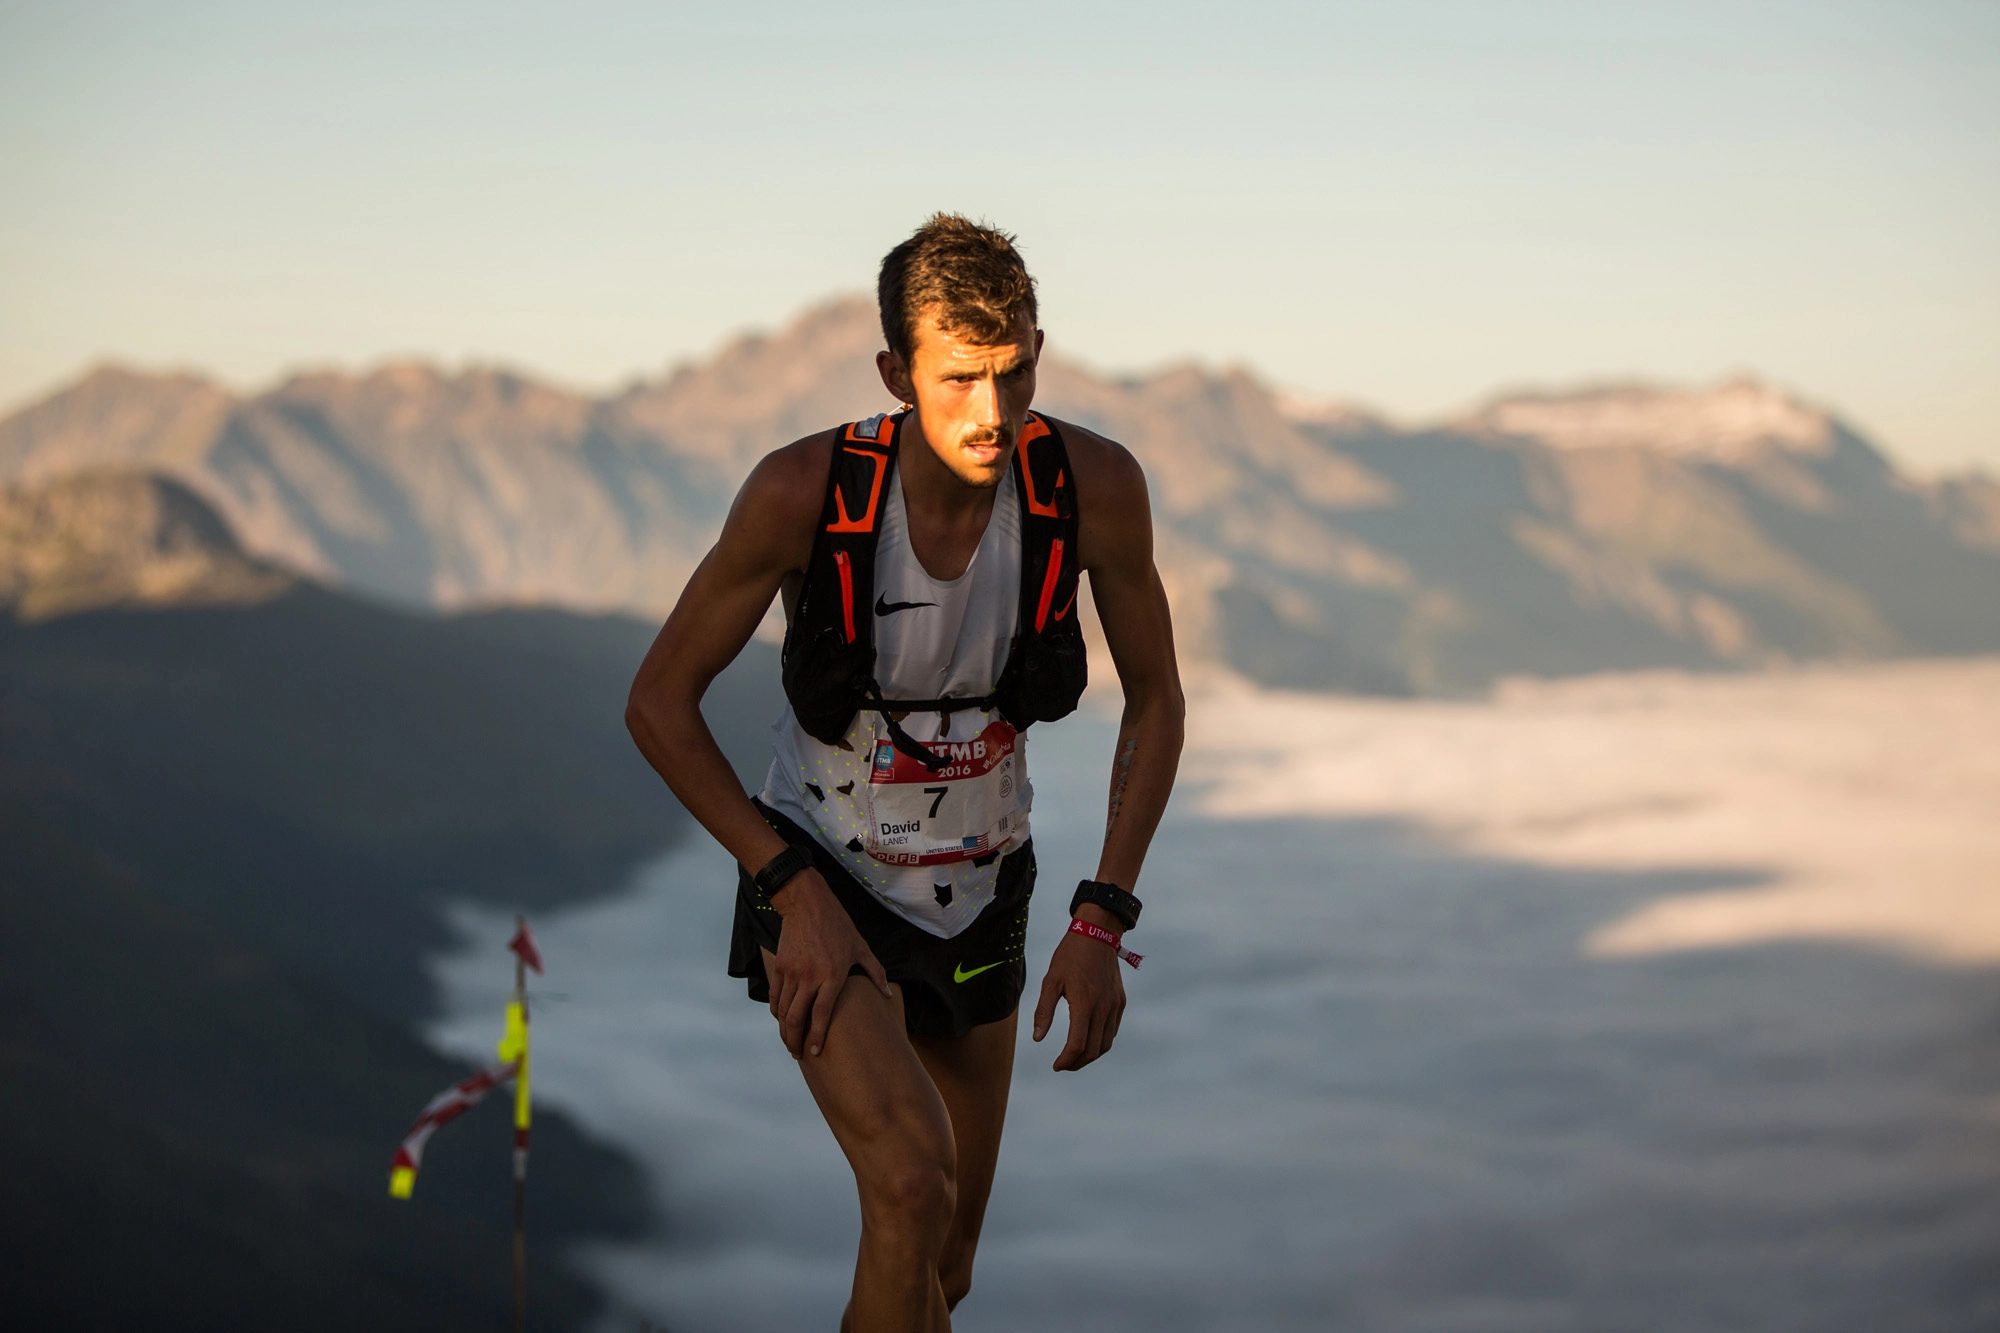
(781, 868)
(1110, 897)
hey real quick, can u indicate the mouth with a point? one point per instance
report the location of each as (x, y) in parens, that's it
(984, 449)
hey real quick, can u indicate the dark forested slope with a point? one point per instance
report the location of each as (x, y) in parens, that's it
(228, 827)
(197, 1138)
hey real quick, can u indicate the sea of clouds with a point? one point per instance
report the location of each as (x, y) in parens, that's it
(1648, 1002)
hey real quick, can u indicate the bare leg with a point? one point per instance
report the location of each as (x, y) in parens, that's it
(887, 1116)
(973, 1075)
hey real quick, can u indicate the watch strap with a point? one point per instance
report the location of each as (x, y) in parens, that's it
(781, 868)
(1108, 896)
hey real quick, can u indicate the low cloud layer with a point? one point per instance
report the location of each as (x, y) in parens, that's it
(1376, 1074)
(1863, 797)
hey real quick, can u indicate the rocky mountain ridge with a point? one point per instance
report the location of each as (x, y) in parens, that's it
(1303, 545)
(97, 539)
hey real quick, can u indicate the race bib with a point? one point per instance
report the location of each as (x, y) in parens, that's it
(964, 810)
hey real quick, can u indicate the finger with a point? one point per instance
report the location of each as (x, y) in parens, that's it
(1100, 1040)
(1083, 1032)
(1079, 1035)
(875, 970)
(1112, 1024)
(822, 1014)
(1045, 1007)
(794, 1026)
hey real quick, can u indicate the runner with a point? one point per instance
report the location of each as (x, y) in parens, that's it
(929, 564)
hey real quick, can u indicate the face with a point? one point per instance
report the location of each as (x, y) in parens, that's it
(972, 398)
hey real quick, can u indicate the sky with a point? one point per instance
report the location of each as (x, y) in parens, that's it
(1408, 206)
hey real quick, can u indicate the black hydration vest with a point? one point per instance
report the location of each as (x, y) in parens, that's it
(829, 659)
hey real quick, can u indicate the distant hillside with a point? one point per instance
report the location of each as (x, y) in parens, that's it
(97, 539)
(1611, 528)
(1970, 506)
(320, 773)
(233, 806)
(197, 1136)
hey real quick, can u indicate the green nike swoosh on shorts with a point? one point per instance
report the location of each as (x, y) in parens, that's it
(959, 974)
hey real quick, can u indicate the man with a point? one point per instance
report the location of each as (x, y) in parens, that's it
(929, 565)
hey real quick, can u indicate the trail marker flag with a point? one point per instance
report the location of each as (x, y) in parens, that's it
(523, 945)
(444, 1108)
(461, 1097)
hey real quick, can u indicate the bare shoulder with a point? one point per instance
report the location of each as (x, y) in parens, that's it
(779, 503)
(792, 479)
(1105, 469)
(1116, 511)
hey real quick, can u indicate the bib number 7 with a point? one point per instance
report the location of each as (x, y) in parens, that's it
(961, 812)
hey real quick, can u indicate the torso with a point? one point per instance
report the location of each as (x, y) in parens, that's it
(957, 645)
(933, 637)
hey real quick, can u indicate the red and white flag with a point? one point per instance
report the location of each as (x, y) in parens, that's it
(461, 1097)
(444, 1108)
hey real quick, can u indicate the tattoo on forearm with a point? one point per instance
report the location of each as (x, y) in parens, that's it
(1121, 773)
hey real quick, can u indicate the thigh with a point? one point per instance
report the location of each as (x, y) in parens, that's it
(973, 1075)
(876, 1095)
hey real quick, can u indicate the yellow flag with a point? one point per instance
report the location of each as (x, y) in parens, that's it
(514, 1046)
(514, 1041)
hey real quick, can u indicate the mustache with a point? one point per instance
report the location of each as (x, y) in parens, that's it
(983, 436)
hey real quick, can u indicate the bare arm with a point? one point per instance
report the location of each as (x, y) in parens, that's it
(1132, 604)
(1117, 551)
(768, 535)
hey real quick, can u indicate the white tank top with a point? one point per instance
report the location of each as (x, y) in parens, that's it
(932, 639)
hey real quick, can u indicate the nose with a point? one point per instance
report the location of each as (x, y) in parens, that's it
(986, 403)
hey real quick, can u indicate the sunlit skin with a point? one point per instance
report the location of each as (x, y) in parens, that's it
(971, 401)
(920, 1120)
(971, 397)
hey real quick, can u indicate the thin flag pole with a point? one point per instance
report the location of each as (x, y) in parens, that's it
(521, 1140)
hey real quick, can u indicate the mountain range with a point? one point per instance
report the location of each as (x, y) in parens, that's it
(1313, 546)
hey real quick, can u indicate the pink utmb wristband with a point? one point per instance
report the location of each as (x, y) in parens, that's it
(1078, 926)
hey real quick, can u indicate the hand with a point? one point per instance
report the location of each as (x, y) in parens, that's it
(816, 949)
(1085, 973)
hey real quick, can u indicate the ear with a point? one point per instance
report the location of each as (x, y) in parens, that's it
(895, 377)
(1038, 344)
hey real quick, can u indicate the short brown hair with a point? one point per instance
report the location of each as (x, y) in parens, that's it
(971, 272)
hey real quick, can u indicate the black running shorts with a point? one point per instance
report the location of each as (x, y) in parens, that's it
(949, 986)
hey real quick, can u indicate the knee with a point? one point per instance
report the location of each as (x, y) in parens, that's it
(915, 1193)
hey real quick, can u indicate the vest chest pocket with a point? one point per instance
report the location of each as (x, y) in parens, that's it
(965, 810)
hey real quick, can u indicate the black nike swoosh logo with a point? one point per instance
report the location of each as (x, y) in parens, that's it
(884, 607)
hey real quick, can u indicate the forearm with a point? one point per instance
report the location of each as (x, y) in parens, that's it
(1142, 778)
